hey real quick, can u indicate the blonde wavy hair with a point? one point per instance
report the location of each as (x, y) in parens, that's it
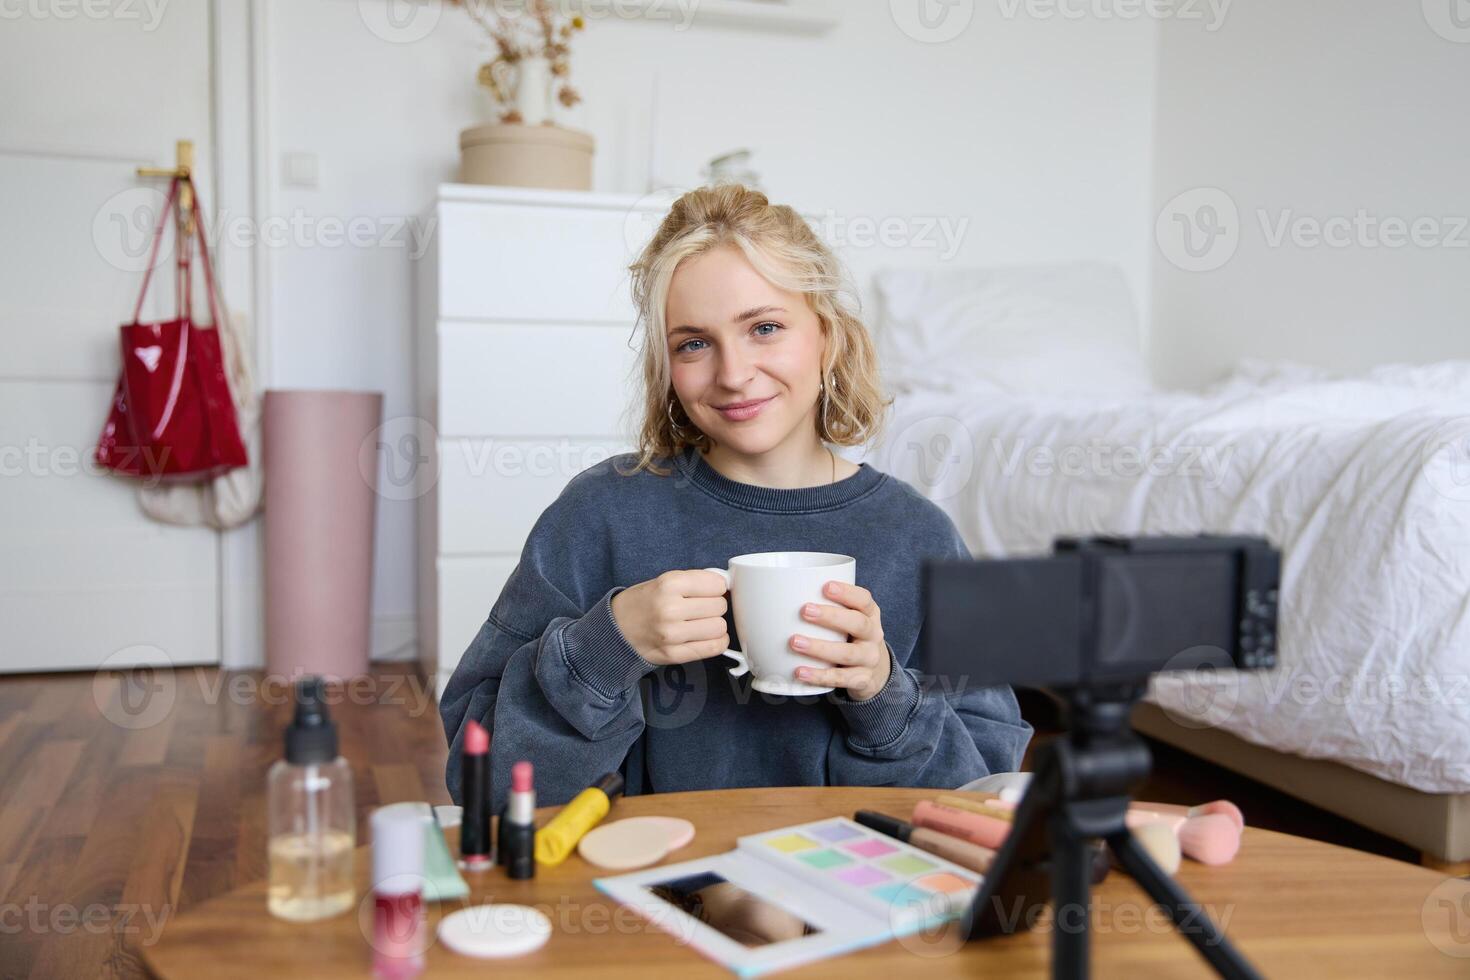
(783, 249)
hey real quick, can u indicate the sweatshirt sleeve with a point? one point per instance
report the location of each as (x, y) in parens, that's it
(551, 677)
(920, 731)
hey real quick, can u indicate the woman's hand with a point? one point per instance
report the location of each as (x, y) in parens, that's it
(675, 618)
(861, 664)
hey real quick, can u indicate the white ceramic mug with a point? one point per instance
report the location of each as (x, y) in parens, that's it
(767, 591)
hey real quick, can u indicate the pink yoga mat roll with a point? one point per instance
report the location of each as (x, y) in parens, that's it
(319, 512)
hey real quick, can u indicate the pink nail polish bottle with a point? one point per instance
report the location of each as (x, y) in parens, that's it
(400, 927)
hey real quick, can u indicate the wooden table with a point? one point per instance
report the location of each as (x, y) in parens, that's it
(1295, 907)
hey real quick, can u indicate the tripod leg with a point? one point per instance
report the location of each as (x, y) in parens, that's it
(1071, 876)
(1188, 915)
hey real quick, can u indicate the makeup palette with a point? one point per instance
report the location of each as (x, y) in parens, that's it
(797, 895)
(867, 868)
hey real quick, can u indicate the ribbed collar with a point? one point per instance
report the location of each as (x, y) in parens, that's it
(777, 500)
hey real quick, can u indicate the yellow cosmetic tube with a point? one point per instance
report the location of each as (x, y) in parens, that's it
(556, 840)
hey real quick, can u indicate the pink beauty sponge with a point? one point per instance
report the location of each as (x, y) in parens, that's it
(1223, 807)
(1210, 838)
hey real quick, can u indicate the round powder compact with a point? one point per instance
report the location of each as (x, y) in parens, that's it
(634, 842)
(495, 931)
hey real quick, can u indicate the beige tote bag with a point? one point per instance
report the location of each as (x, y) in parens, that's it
(231, 498)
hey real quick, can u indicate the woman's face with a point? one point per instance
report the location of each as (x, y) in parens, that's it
(746, 355)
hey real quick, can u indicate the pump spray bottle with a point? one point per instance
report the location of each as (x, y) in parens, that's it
(312, 829)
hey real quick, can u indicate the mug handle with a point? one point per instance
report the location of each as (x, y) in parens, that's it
(734, 655)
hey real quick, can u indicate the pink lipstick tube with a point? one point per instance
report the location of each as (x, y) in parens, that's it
(474, 832)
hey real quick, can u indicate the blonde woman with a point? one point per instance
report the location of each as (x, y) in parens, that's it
(598, 656)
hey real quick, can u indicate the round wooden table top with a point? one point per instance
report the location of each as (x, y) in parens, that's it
(1294, 907)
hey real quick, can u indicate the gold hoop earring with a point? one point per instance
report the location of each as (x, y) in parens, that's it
(678, 429)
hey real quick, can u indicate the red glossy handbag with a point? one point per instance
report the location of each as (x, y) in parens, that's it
(172, 417)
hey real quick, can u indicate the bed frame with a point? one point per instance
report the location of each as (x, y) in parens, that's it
(1435, 824)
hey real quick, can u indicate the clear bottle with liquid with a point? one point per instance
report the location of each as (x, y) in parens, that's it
(312, 830)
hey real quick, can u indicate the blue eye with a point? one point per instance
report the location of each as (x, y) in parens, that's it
(768, 324)
(682, 348)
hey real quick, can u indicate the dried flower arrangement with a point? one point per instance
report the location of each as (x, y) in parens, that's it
(538, 29)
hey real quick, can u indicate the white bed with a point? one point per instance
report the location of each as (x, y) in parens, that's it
(1363, 481)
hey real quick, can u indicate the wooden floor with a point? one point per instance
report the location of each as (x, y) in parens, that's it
(125, 799)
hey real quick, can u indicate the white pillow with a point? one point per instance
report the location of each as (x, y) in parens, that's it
(1060, 329)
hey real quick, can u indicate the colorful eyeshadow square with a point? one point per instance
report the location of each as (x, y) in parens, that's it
(862, 876)
(907, 864)
(870, 848)
(835, 832)
(790, 843)
(892, 893)
(945, 882)
(905, 896)
(826, 859)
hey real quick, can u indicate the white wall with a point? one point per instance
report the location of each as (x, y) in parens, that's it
(1029, 136)
(1315, 110)
(87, 579)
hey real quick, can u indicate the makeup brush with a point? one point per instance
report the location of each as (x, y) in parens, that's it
(977, 828)
(1136, 818)
(988, 807)
(1223, 807)
(1159, 842)
(1210, 838)
(1172, 816)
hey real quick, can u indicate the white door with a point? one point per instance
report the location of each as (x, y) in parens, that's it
(92, 91)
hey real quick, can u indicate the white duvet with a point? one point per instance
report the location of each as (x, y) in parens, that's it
(1363, 482)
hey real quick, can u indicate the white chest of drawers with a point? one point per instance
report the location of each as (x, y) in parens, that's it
(526, 352)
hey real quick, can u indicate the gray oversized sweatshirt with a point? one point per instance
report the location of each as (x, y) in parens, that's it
(552, 677)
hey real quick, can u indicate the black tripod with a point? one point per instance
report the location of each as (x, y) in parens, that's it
(1080, 792)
